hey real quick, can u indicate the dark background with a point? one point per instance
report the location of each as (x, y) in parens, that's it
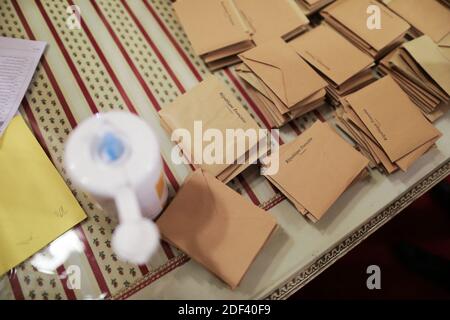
(424, 225)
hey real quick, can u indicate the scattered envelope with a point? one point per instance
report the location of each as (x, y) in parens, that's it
(212, 105)
(216, 226)
(36, 206)
(316, 168)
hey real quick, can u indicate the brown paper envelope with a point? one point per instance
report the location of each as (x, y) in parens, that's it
(216, 226)
(212, 103)
(391, 118)
(353, 15)
(283, 71)
(347, 33)
(271, 19)
(345, 128)
(252, 79)
(312, 6)
(427, 54)
(264, 106)
(219, 17)
(277, 106)
(317, 167)
(339, 60)
(418, 92)
(227, 52)
(225, 62)
(426, 89)
(428, 16)
(357, 82)
(425, 81)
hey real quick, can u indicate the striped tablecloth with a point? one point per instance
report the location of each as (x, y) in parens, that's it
(134, 56)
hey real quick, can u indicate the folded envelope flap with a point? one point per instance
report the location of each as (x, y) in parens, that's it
(216, 226)
(283, 71)
(430, 17)
(270, 19)
(353, 15)
(331, 53)
(429, 56)
(392, 118)
(211, 24)
(317, 167)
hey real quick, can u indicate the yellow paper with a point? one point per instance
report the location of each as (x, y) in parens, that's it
(36, 206)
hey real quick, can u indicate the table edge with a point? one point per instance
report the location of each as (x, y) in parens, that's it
(305, 275)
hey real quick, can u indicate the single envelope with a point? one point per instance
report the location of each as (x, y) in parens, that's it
(271, 19)
(209, 105)
(316, 168)
(339, 60)
(216, 226)
(283, 71)
(392, 118)
(36, 206)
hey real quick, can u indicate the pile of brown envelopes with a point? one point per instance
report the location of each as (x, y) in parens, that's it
(386, 125)
(344, 66)
(427, 17)
(283, 84)
(316, 168)
(211, 105)
(310, 7)
(350, 18)
(221, 29)
(422, 69)
(216, 227)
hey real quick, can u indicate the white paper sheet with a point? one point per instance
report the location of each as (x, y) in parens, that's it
(18, 61)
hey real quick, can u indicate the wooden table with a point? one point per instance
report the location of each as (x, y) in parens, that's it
(133, 55)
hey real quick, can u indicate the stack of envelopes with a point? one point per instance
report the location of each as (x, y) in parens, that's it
(345, 67)
(350, 18)
(210, 107)
(216, 227)
(386, 125)
(284, 85)
(316, 168)
(220, 29)
(429, 17)
(422, 69)
(312, 6)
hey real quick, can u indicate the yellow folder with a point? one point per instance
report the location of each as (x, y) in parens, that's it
(36, 206)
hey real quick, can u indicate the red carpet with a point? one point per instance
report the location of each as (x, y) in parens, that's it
(426, 224)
